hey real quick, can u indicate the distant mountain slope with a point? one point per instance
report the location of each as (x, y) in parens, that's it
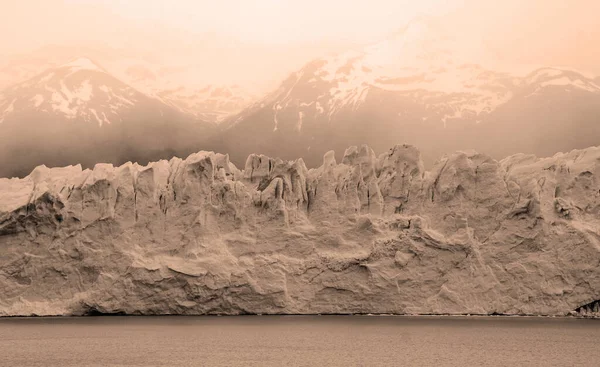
(79, 113)
(419, 87)
(553, 110)
(211, 103)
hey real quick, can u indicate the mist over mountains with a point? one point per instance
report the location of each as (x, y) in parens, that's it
(418, 86)
(79, 113)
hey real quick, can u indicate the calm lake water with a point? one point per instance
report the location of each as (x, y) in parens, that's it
(299, 341)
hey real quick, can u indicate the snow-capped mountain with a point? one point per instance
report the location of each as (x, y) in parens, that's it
(79, 90)
(79, 113)
(418, 86)
(418, 62)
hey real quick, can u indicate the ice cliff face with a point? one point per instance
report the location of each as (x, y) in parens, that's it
(366, 235)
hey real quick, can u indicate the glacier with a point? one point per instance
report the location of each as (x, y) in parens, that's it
(370, 234)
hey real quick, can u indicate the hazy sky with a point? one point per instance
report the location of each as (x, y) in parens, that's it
(265, 21)
(286, 33)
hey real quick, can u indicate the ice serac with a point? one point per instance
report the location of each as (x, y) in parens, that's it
(371, 234)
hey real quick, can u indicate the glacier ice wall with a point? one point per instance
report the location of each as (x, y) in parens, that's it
(371, 234)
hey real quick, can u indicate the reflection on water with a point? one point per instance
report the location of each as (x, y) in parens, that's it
(299, 341)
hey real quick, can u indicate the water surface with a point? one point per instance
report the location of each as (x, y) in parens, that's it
(299, 341)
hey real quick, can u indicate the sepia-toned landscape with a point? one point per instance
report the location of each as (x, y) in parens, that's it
(392, 160)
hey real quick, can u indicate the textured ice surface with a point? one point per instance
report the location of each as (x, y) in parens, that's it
(366, 235)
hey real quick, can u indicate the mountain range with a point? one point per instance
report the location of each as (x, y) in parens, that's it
(418, 86)
(184, 87)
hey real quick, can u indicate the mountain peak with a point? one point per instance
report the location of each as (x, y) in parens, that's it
(82, 63)
(78, 90)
